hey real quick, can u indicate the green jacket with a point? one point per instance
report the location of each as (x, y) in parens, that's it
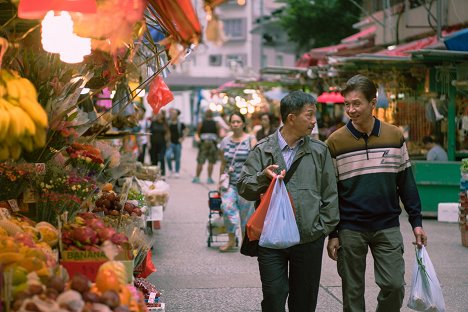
(312, 187)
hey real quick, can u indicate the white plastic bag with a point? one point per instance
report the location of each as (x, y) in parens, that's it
(280, 227)
(426, 294)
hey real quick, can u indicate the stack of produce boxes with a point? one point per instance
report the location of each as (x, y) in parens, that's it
(463, 210)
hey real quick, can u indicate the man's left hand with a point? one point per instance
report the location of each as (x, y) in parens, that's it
(421, 237)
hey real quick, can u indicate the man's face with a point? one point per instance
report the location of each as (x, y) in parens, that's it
(358, 108)
(304, 122)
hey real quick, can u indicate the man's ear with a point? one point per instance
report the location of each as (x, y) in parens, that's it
(374, 102)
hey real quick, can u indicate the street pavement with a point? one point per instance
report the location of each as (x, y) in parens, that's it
(193, 277)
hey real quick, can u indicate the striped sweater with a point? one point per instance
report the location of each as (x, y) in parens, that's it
(373, 174)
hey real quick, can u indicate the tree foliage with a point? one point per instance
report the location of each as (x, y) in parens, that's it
(318, 23)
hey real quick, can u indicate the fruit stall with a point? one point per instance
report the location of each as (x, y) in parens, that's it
(74, 203)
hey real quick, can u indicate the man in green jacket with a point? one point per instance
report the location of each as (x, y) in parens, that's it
(314, 195)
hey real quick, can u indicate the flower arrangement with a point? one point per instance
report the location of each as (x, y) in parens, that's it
(85, 158)
(61, 189)
(13, 179)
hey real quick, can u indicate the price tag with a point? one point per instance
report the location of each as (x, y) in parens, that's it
(152, 297)
(40, 168)
(13, 205)
(29, 196)
(4, 213)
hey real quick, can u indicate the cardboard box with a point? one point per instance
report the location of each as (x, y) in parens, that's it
(447, 212)
(88, 262)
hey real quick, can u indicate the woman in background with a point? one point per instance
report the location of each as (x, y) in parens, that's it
(267, 126)
(160, 138)
(234, 150)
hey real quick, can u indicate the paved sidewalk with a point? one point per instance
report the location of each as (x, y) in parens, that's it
(193, 277)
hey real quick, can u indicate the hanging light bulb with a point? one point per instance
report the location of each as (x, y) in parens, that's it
(74, 49)
(55, 29)
(241, 2)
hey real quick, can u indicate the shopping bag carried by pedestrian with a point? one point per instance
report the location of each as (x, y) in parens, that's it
(249, 247)
(280, 227)
(254, 226)
(426, 294)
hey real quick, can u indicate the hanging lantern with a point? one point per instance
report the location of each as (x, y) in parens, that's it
(33, 9)
(36, 9)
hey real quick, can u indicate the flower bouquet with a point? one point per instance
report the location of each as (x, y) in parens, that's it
(13, 179)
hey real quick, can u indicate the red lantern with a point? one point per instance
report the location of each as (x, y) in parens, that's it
(36, 9)
(33, 9)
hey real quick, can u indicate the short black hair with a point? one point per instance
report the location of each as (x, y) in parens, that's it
(242, 117)
(428, 139)
(294, 102)
(363, 84)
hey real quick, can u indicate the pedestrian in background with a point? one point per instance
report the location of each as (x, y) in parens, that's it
(234, 150)
(142, 139)
(294, 271)
(266, 121)
(178, 133)
(434, 151)
(207, 136)
(160, 138)
(374, 174)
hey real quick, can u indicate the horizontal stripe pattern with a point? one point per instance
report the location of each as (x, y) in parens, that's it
(379, 160)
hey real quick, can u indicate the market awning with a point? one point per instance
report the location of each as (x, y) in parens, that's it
(330, 97)
(404, 49)
(363, 34)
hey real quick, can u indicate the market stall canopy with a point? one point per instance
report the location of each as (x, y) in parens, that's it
(330, 97)
(457, 41)
(318, 56)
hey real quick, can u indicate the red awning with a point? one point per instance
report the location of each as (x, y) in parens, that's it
(363, 34)
(405, 48)
(330, 97)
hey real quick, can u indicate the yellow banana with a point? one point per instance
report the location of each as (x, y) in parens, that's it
(4, 152)
(28, 89)
(17, 128)
(13, 88)
(15, 151)
(4, 121)
(29, 125)
(27, 143)
(40, 137)
(34, 110)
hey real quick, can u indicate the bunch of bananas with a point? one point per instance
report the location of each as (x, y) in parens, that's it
(23, 121)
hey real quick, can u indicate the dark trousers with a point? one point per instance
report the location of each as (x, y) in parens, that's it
(141, 157)
(389, 268)
(304, 264)
(157, 154)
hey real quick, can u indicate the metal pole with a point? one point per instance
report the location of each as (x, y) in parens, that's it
(451, 135)
(261, 35)
(439, 19)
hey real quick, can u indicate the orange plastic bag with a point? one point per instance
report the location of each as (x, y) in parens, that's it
(159, 94)
(254, 226)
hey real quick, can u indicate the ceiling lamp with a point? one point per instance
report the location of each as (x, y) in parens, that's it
(36, 9)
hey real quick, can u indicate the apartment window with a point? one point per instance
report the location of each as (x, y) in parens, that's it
(236, 60)
(279, 60)
(234, 29)
(215, 59)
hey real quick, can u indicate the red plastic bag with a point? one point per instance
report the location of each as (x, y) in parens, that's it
(254, 226)
(159, 94)
(148, 266)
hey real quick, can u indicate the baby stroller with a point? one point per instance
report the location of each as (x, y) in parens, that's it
(215, 225)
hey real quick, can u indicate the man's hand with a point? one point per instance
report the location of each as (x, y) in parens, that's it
(332, 248)
(269, 172)
(421, 237)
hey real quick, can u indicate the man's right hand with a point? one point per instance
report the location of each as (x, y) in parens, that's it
(270, 173)
(332, 248)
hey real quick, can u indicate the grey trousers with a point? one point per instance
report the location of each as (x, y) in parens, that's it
(389, 268)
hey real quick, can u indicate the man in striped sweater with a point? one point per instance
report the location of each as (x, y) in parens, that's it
(373, 172)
